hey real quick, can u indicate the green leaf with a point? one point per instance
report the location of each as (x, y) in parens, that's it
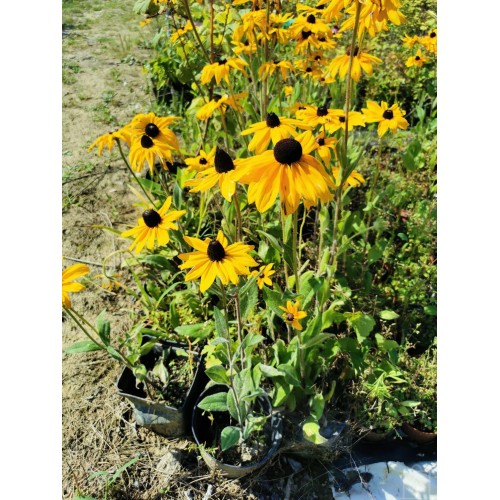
(218, 374)
(388, 314)
(430, 310)
(118, 473)
(281, 392)
(229, 436)
(231, 405)
(214, 402)
(269, 371)
(113, 353)
(330, 316)
(362, 323)
(197, 331)
(409, 161)
(273, 300)
(103, 328)
(310, 431)
(249, 296)
(140, 372)
(157, 261)
(291, 375)
(220, 323)
(317, 406)
(83, 346)
(318, 339)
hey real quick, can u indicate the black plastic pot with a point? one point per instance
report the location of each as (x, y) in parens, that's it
(158, 417)
(204, 432)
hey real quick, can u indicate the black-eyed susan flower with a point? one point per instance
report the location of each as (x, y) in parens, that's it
(221, 103)
(202, 161)
(181, 32)
(430, 41)
(361, 62)
(273, 128)
(356, 119)
(153, 227)
(315, 115)
(220, 69)
(278, 27)
(417, 60)
(288, 90)
(325, 147)
(355, 179)
(216, 258)
(310, 22)
(410, 41)
(154, 127)
(222, 173)
(388, 118)
(288, 170)
(269, 67)
(293, 314)
(69, 285)
(145, 149)
(263, 275)
(109, 140)
(308, 69)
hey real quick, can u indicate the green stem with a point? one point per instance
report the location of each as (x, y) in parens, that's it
(301, 359)
(294, 250)
(133, 173)
(239, 233)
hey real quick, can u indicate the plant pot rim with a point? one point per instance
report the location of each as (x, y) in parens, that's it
(417, 435)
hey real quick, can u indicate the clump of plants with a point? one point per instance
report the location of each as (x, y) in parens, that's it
(267, 231)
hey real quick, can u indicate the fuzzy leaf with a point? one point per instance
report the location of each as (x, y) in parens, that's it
(103, 328)
(249, 296)
(83, 346)
(214, 402)
(388, 314)
(310, 431)
(229, 437)
(218, 374)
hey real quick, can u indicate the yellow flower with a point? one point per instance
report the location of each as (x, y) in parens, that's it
(109, 140)
(387, 118)
(274, 129)
(288, 90)
(268, 68)
(289, 170)
(153, 227)
(263, 275)
(410, 41)
(223, 172)
(68, 285)
(315, 115)
(325, 144)
(144, 149)
(292, 314)
(221, 103)
(355, 179)
(356, 119)
(181, 32)
(361, 61)
(202, 161)
(155, 127)
(221, 68)
(417, 60)
(430, 41)
(216, 258)
(309, 23)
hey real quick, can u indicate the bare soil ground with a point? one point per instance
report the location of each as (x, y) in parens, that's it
(103, 88)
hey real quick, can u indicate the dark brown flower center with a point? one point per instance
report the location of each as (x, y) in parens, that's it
(308, 69)
(320, 141)
(290, 317)
(151, 218)
(342, 119)
(388, 114)
(321, 38)
(433, 35)
(272, 120)
(222, 61)
(152, 130)
(317, 58)
(306, 34)
(146, 142)
(322, 111)
(417, 58)
(215, 251)
(311, 18)
(203, 161)
(287, 151)
(223, 162)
